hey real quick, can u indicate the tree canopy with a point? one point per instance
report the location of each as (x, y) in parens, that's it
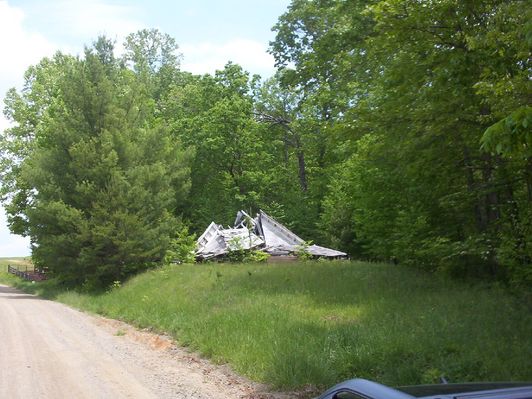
(395, 130)
(93, 179)
(429, 109)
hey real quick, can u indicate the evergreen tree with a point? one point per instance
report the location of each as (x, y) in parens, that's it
(101, 180)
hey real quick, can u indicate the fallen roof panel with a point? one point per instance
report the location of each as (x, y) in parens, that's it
(263, 232)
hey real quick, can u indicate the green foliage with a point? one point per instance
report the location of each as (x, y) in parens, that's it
(408, 92)
(213, 115)
(256, 256)
(116, 285)
(238, 254)
(511, 135)
(392, 130)
(182, 248)
(302, 252)
(96, 186)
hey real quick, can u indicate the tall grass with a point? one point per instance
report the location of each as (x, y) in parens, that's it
(317, 323)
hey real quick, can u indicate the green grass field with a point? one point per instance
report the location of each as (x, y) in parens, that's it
(19, 263)
(316, 323)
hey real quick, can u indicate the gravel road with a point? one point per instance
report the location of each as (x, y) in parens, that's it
(48, 350)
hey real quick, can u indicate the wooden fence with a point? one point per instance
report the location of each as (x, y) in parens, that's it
(30, 275)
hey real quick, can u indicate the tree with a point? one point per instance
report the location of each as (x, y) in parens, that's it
(408, 89)
(213, 116)
(99, 182)
(153, 56)
(292, 135)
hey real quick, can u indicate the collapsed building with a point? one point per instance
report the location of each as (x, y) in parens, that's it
(261, 233)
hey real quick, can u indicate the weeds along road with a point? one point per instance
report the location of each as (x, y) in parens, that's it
(48, 350)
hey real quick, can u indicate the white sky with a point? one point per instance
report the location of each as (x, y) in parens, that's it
(209, 32)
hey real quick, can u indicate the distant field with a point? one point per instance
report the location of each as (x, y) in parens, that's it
(19, 263)
(316, 323)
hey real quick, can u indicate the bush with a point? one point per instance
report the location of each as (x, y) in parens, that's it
(182, 248)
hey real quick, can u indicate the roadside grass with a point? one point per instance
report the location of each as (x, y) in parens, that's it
(315, 323)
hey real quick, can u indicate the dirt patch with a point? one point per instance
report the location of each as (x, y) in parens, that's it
(145, 337)
(222, 376)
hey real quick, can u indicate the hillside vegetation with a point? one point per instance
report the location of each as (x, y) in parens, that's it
(320, 322)
(391, 130)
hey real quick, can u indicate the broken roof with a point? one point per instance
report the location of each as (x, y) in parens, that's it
(262, 232)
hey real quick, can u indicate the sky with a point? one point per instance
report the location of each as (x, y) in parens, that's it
(209, 33)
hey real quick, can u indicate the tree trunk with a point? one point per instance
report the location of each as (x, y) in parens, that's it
(285, 148)
(528, 177)
(491, 197)
(480, 219)
(302, 171)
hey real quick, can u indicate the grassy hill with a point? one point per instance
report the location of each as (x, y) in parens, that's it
(19, 263)
(317, 323)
